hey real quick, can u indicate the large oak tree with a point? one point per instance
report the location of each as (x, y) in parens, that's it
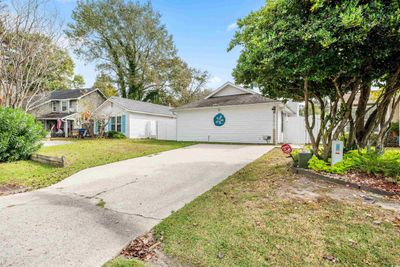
(328, 53)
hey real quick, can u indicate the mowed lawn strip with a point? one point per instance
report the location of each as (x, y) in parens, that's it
(244, 221)
(80, 154)
(122, 262)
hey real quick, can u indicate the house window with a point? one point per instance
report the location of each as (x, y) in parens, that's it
(112, 123)
(53, 106)
(116, 123)
(64, 106)
(118, 126)
(282, 121)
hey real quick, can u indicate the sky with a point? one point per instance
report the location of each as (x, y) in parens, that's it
(202, 30)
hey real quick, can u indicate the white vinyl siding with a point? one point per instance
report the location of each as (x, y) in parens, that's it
(244, 124)
(140, 125)
(229, 90)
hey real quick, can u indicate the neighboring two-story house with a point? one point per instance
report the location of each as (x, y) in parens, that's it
(63, 111)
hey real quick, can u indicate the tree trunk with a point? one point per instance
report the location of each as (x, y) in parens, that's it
(314, 145)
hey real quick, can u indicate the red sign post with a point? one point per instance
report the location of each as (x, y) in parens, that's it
(286, 148)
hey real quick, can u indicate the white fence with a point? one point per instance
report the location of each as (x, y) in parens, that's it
(296, 132)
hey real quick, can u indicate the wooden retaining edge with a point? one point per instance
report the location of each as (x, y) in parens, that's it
(54, 161)
(318, 176)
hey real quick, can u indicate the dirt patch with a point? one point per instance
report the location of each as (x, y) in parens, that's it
(12, 189)
(309, 189)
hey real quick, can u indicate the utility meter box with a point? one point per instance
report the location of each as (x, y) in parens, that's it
(337, 151)
(304, 157)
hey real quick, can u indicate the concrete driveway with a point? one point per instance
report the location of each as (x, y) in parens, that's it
(62, 226)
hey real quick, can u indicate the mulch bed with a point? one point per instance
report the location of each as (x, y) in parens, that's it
(375, 184)
(372, 181)
(143, 248)
(12, 189)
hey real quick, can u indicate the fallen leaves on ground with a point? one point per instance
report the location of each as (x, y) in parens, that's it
(142, 248)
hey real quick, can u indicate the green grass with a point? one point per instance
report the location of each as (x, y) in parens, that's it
(80, 155)
(101, 203)
(122, 262)
(244, 222)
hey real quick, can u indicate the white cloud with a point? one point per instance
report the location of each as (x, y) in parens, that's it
(231, 27)
(214, 82)
(215, 79)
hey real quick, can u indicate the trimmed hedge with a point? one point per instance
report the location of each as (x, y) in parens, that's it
(115, 135)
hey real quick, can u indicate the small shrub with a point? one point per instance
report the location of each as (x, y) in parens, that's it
(20, 134)
(320, 165)
(387, 164)
(115, 135)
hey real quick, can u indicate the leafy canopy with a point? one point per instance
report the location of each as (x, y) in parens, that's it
(126, 39)
(105, 84)
(288, 40)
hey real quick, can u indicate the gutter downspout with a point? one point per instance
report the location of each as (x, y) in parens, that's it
(274, 125)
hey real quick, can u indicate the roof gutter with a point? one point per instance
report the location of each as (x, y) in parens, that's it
(224, 106)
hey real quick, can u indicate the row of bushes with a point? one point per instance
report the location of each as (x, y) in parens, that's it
(387, 164)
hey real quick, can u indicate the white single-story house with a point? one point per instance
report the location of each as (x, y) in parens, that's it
(233, 114)
(136, 119)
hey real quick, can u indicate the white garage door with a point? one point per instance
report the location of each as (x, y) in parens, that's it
(166, 129)
(140, 128)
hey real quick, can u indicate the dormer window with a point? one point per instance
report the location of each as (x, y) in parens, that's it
(53, 106)
(64, 106)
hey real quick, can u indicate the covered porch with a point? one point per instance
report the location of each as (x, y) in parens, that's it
(60, 125)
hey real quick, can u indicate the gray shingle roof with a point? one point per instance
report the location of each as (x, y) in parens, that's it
(69, 94)
(55, 115)
(229, 100)
(146, 107)
(60, 95)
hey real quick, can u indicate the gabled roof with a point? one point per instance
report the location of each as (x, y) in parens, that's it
(229, 100)
(71, 94)
(141, 107)
(225, 85)
(242, 97)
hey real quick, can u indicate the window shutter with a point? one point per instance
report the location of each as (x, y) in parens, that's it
(96, 127)
(123, 124)
(109, 124)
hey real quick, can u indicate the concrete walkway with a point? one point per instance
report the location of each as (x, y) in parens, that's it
(55, 143)
(62, 226)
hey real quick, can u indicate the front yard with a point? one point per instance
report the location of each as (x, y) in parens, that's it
(80, 155)
(264, 215)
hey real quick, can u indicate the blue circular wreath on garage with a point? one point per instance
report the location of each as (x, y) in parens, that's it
(219, 119)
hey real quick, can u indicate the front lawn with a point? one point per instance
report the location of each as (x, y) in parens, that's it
(248, 221)
(80, 155)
